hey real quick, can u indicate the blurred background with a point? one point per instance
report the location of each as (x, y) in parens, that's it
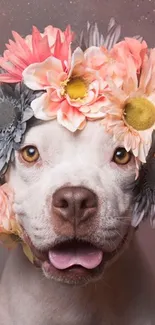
(137, 17)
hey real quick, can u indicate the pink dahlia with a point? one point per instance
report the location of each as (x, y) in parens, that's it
(113, 64)
(72, 90)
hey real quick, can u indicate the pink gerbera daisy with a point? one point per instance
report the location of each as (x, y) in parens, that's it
(37, 47)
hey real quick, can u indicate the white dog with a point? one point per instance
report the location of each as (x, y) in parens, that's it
(74, 201)
(73, 205)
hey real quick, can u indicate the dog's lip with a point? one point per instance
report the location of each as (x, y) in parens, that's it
(78, 274)
(65, 249)
(42, 256)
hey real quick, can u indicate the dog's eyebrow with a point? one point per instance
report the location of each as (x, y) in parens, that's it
(33, 122)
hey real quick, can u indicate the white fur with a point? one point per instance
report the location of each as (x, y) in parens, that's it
(80, 159)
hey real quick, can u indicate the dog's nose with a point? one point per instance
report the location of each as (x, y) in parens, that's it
(75, 204)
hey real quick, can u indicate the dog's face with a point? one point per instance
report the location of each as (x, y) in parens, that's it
(72, 200)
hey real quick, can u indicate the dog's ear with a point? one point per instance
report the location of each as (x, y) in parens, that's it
(144, 190)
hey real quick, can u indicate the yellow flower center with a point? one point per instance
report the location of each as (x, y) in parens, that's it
(76, 88)
(139, 113)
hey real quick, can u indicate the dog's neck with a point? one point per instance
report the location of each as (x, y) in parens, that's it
(118, 298)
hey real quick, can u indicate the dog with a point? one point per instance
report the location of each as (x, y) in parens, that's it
(75, 200)
(73, 203)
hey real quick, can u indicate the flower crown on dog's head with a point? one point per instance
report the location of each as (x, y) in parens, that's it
(102, 79)
(107, 81)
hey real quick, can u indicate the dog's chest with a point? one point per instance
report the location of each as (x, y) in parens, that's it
(79, 311)
(134, 315)
(29, 309)
(27, 298)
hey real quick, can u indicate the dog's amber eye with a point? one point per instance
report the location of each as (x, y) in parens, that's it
(121, 156)
(30, 154)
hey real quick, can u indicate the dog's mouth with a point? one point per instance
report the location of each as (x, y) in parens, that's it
(75, 261)
(75, 253)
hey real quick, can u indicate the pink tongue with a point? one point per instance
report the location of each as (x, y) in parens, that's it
(87, 258)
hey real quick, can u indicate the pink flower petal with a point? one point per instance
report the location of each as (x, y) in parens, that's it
(9, 78)
(77, 63)
(14, 72)
(95, 116)
(62, 50)
(44, 108)
(70, 117)
(6, 204)
(22, 47)
(34, 48)
(94, 108)
(40, 47)
(51, 33)
(114, 94)
(55, 95)
(132, 49)
(84, 109)
(55, 78)
(95, 57)
(128, 141)
(15, 61)
(36, 75)
(146, 74)
(137, 49)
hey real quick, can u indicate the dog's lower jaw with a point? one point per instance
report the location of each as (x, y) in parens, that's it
(80, 276)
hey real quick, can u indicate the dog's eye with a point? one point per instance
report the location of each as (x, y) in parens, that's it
(121, 156)
(30, 154)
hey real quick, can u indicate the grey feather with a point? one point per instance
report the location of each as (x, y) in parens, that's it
(92, 36)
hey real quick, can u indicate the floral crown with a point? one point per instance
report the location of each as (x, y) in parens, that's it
(44, 76)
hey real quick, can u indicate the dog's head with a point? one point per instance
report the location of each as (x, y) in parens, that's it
(73, 193)
(71, 198)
